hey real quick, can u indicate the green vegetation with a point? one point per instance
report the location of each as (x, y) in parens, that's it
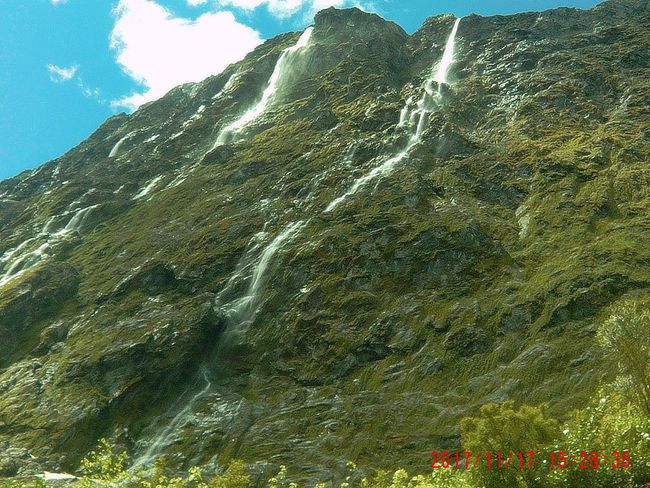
(103, 464)
(606, 444)
(475, 273)
(507, 429)
(626, 338)
(609, 425)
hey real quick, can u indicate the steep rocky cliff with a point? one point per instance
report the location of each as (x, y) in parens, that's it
(334, 249)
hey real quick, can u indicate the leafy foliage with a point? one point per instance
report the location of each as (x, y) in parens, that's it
(234, 477)
(626, 337)
(104, 464)
(510, 430)
(610, 424)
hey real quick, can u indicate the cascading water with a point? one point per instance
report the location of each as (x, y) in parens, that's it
(148, 188)
(17, 266)
(164, 438)
(447, 55)
(242, 309)
(227, 87)
(282, 67)
(238, 312)
(119, 143)
(18, 261)
(412, 119)
(77, 220)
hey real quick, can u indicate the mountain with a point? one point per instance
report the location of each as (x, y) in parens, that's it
(335, 249)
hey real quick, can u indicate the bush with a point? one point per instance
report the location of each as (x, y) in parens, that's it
(507, 429)
(234, 477)
(447, 478)
(625, 336)
(104, 467)
(103, 464)
(609, 424)
(159, 479)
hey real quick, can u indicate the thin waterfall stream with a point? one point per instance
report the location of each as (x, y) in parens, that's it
(282, 66)
(412, 119)
(163, 439)
(18, 261)
(239, 312)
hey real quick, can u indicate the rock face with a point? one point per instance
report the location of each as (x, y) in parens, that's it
(200, 300)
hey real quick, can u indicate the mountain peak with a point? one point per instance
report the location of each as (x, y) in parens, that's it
(624, 7)
(354, 17)
(337, 15)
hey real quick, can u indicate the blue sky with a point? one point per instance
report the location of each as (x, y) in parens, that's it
(67, 65)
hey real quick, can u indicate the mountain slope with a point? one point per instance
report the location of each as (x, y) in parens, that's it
(295, 263)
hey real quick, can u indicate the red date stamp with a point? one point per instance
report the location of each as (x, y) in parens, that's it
(590, 459)
(531, 460)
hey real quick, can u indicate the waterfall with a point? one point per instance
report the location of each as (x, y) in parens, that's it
(282, 67)
(148, 187)
(383, 169)
(9, 255)
(227, 87)
(18, 261)
(117, 146)
(77, 219)
(239, 311)
(243, 309)
(165, 437)
(23, 263)
(447, 56)
(412, 119)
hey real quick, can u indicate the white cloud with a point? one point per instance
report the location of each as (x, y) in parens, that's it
(195, 3)
(56, 2)
(287, 8)
(59, 74)
(160, 51)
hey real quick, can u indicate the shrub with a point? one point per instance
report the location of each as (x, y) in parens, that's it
(507, 429)
(609, 424)
(625, 336)
(105, 467)
(159, 479)
(103, 464)
(234, 477)
(447, 478)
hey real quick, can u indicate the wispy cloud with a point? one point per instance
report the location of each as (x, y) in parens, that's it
(57, 2)
(59, 74)
(62, 75)
(195, 3)
(88, 92)
(160, 51)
